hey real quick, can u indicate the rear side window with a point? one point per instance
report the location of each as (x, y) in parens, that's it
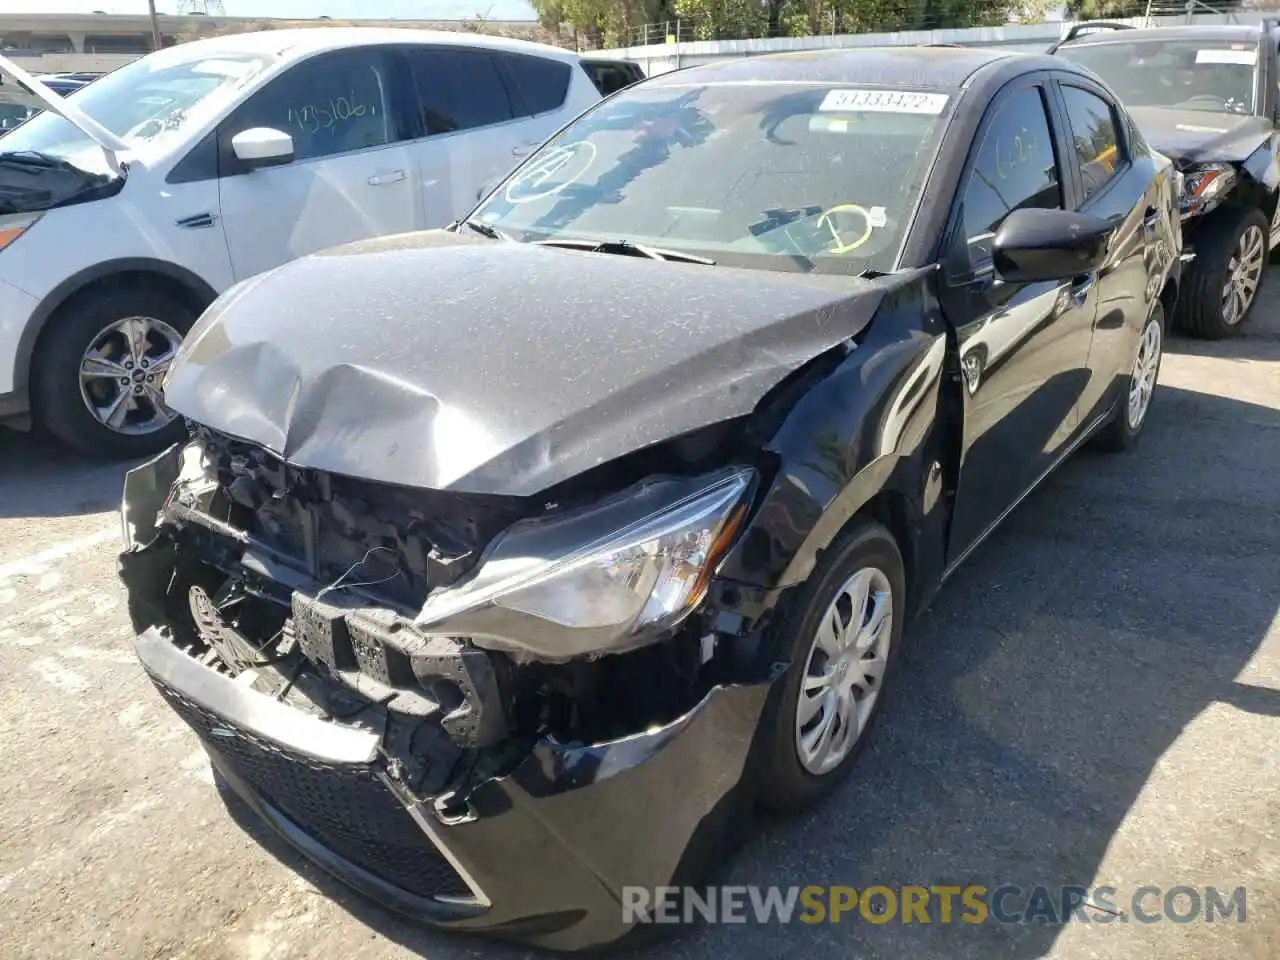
(330, 104)
(1015, 169)
(611, 77)
(538, 85)
(459, 89)
(1093, 133)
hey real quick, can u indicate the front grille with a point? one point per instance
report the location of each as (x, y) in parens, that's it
(344, 807)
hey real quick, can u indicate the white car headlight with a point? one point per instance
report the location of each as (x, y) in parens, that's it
(12, 226)
(599, 580)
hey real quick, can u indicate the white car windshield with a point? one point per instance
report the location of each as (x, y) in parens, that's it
(148, 101)
(776, 176)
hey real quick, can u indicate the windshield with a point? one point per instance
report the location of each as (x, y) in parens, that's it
(781, 176)
(145, 103)
(1208, 75)
(12, 114)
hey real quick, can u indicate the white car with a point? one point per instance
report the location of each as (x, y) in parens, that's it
(125, 210)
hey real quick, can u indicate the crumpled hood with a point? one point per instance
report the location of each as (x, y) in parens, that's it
(1197, 136)
(442, 361)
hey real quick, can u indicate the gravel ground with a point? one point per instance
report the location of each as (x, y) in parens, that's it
(1093, 700)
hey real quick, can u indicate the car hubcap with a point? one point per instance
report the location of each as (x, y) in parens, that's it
(844, 671)
(1244, 271)
(122, 371)
(1146, 366)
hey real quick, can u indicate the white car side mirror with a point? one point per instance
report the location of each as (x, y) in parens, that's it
(262, 147)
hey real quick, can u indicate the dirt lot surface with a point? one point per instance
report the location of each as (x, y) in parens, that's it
(1093, 700)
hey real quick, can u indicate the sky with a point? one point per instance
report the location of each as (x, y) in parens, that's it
(410, 9)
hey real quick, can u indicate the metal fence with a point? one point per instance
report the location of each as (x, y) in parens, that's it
(897, 15)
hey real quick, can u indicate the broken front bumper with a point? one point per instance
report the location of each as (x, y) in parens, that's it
(540, 854)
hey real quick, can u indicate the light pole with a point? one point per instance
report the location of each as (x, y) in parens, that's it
(155, 24)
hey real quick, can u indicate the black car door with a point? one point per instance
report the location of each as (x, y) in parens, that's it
(1023, 347)
(1113, 176)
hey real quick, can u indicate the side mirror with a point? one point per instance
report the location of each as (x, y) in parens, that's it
(262, 147)
(1037, 245)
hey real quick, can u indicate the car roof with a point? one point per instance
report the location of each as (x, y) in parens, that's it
(942, 68)
(1205, 31)
(304, 41)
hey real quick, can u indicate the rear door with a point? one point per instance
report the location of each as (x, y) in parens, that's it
(1023, 347)
(1113, 176)
(468, 129)
(352, 174)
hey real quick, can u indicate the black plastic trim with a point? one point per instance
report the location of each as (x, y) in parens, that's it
(391, 896)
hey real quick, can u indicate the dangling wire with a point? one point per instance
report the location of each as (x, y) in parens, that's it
(351, 569)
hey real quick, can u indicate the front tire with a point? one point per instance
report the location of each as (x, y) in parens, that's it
(96, 382)
(1229, 267)
(1122, 432)
(841, 637)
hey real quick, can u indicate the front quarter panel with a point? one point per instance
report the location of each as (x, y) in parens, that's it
(1263, 165)
(867, 429)
(75, 245)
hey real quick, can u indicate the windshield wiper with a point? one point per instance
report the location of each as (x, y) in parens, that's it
(483, 229)
(627, 248)
(34, 158)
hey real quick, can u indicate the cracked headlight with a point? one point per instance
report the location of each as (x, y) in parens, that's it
(604, 579)
(1206, 185)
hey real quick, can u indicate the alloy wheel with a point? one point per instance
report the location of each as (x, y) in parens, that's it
(122, 371)
(1146, 367)
(844, 671)
(1244, 273)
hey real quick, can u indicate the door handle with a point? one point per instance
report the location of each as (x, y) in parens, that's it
(1080, 288)
(524, 149)
(381, 179)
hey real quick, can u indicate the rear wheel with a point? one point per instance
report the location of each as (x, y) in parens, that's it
(842, 637)
(97, 381)
(1226, 274)
(1122, 432)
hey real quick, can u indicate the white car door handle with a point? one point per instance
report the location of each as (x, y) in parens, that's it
(523, 150)
(380, 179)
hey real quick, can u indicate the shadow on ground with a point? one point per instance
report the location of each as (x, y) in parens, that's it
(1261, 343)
(38, 478)
(1037, 694)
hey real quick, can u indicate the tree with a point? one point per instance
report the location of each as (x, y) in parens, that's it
(1111, 9)
(626, 22)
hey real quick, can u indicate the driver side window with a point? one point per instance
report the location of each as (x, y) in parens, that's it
(1016, 168)
(331, 104)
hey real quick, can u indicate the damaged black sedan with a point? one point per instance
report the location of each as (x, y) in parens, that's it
(509, 563)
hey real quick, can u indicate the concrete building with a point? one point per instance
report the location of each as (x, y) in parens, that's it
(50, 42)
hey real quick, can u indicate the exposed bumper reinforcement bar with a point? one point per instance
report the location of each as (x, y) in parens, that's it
(246, 708)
